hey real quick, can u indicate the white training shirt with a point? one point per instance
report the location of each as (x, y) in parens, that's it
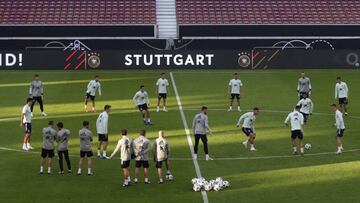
(307, 105)
(102, 123)
(92, 87)
(296, 120)
(162, 85)
(141, 98)
(125, 147)
(339, 120)
(341, 90)
(235, 85)
(161, 149)
(27, 114)
(249, 120)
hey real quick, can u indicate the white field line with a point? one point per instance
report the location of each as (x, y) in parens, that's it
(187, 132)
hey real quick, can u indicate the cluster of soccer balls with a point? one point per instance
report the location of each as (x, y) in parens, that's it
(216, 184)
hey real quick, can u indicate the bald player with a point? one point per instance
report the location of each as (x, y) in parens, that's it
(161, 155)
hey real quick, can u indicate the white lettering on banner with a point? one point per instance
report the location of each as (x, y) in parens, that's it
(10, 60)
(169, 59)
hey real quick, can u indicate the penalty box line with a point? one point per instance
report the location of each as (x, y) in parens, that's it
(187, 132)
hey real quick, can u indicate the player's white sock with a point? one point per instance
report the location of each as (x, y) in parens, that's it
(168, 172)
(98, 152)
(302, 149)
(79, 171)
(89, 170)
(157, 109)
(295, 149)
(161, 180)
(28, 146)
(41, 169)
(135, 180)
(230, 108)
(239, 108)
(252, 148)
(129, 179)
(49, 169)
(164, 108)
(25, 147)
(85, 106)
(146, 180)
(104, 153)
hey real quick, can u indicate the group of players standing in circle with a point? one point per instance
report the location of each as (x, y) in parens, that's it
(139, 148)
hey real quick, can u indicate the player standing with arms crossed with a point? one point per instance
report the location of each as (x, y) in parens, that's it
(141, 101)
(200, 126)
(36, 92)
(249, 127)
(304, 86)
(161, 154)
(340, 125)
(307, 107)
(162, 89)
(91, 92)
(85, 147)
(342, 92)
(297, 121)
(25, 122)
(62, 139)
(102, 130)
(49, 136)
(125, 147)
(234, 91)
(142, 152)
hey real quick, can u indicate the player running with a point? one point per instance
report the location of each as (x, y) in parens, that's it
(200, 126)
(297, 121)
(92, 87)
(249, 127)
(85, 147)
(36, 92)
(304, 86)
(141, 147)
(340, 125)
(162, 89)
(25, 122)
(342, 93)
(234, 90)
(49, 136)
(307, 107)
(125, 147)
(141, 101)
(62, 139)
(102, 130)
(161, 154)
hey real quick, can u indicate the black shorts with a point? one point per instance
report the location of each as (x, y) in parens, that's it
(144, 164)
(143, 107)
(103, 137)
(306, 116)
(125, 164)
(340, 132)
(162, 95)
(159, 163)
(343, 101)
(27, 127)
(247, 131)
(87, 96)
(297, 134)
(47, 153)
(86, 153)
(233, 96)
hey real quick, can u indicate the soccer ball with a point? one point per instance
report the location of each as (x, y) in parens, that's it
(169, 177)
(217, 187)
(308, 146)
(196, 188)
(208, 187)
(226, 184)
(194, 181)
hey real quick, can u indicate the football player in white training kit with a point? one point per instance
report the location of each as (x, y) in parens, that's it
(92, 87)
(307, 107)
(297, 121)
(25, 122)
(161, 154)
(340, 125)
(342, 93)
(141, 101)
(102, 131)
(162, 90)
(249, 127)
(234, 91)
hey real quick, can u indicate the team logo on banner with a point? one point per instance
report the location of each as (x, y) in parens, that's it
(244, 60)
(94, 60)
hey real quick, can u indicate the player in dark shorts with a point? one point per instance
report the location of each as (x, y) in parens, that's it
(47, 151)
(85, 147)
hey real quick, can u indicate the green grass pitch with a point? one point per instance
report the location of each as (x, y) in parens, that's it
(268, 175)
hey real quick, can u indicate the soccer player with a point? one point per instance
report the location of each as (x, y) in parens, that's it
(307, 107)
(234, 90)
(340, 125)
(25, 122)
(161, 154)
(248, 127)
(297, 121)
(304, 86)
(62, 139)
(91, 92)
(85, 147)
(49, 136)
(141, 101)
(200, 126)
(162, 86)
(102, 130)
(36, 92)
(141, 147)
(342, 92)
(125, 147)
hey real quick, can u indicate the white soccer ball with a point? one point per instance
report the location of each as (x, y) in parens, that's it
(217, 187)
(226, 184)
(196, 188)
(208, 187)
(308, 146)
(194, 181)
(169, 177)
